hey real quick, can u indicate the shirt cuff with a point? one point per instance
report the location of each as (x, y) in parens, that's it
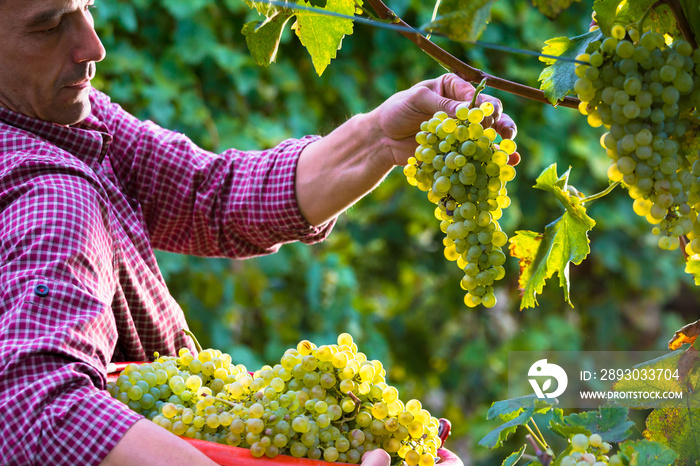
(289, 216)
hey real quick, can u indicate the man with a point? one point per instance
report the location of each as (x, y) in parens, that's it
(87, 191)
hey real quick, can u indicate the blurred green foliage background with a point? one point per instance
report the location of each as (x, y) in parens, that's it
(381, 275)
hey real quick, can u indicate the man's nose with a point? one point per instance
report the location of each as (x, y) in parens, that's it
(88, 46)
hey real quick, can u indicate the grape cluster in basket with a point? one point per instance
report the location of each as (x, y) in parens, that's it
(328, 402)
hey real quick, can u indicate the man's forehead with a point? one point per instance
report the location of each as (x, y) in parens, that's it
(27, 11)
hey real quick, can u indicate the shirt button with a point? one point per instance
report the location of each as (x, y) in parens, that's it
(41, 290)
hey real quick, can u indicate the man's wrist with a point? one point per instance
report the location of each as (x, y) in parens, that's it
(379, 147)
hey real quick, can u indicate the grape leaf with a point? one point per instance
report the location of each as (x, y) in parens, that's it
(605, 11)
(687, 334)
(677, 429)
(557, 79)
(565, 240)
(610, 422)
(460, 20)
(691, 8)
(263, 37)
(647, 453)
(611, 12)
(674, 422)
(515, 412)
(514, 457)
(552, 8)
(692, 266)
(322, 35)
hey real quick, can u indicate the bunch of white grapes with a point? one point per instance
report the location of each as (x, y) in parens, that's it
(646, 93)
(590, 451)
(465, 175)
(328, 402)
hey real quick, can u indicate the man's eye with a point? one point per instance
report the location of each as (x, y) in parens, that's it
(52, 29)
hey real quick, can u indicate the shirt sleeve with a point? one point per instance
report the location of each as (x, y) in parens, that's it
(57, 331)
(235, 204)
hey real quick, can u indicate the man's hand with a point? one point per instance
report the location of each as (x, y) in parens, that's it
(376, 458)
(448, 458)
(399, 117)
(336, 171)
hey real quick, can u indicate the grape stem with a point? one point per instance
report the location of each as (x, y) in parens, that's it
(546, 446)
(684, 243)
(534, 437)
(194, 339)
(353, 414)
(461, 69)
(593, 197)
(477, 91)
(543, 456)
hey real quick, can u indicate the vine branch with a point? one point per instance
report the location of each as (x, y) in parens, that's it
(461, 69)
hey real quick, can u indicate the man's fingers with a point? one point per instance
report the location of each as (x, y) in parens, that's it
(449, 458)
(505, 126)
(376, 458)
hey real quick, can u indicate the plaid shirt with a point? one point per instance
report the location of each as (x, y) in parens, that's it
(80, 210)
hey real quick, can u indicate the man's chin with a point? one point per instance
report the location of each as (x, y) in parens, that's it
(71, 114)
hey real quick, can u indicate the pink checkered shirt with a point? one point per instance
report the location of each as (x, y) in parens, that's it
(81, 209)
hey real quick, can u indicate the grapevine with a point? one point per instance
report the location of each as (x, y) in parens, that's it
(328, 402)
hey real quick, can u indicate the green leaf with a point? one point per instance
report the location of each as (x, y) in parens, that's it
(565, 240)
(691, 8)
(605, 12)
(557, 79)
(647, 453)
(462, 21)
(516, 412)
(552, 8)
(610, 422)
(323, 35)
(508, 409)
(514, 457)
(608, 14)
(263, 38)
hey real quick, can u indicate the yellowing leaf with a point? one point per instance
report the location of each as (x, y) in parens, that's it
(674, 421)
(565, 240)
(687, 334)
(322, 35)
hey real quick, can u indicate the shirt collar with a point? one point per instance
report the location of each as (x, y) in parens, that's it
(88, 140)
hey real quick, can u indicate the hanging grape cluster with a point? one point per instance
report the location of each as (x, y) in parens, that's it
(646, 93)
(590, 450)
(465, 175)
(328, 402)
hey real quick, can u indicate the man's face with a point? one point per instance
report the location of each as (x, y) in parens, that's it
(48, 51)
